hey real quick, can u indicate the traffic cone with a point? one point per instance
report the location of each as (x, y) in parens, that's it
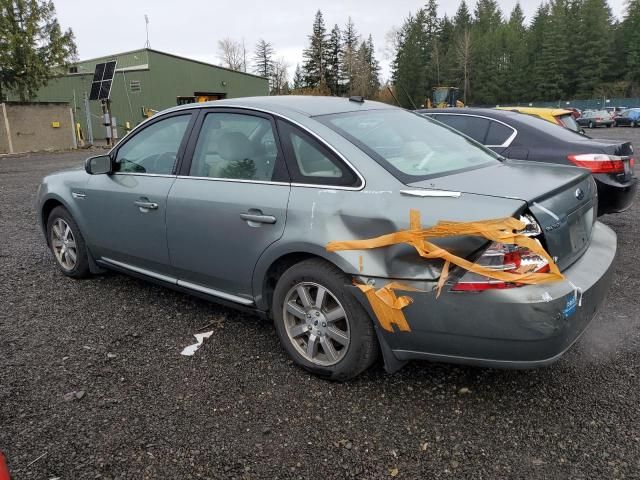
(4, 470)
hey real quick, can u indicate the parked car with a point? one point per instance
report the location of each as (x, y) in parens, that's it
(595, 118)
(524, 137)
(559, 116)
(629, 118)
(236, 200)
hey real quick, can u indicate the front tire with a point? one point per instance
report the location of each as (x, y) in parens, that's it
(67, 244)
(320, 324)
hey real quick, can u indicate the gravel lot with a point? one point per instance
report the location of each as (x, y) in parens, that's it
(240, 409)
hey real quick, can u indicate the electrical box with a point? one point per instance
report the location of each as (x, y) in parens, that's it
(55, 124)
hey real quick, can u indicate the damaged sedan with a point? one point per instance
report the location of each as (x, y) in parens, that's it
(360, 228)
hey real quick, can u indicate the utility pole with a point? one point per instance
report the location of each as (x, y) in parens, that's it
(88, 119)
(146, 22)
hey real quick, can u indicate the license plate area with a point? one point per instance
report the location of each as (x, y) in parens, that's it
(580, 225)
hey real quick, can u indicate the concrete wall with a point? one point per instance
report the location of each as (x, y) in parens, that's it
(33, 127)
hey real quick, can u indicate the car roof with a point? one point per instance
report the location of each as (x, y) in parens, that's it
(485, 112)
(538, 110)
(307, 105)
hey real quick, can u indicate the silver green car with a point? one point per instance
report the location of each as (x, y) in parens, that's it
(236, 200)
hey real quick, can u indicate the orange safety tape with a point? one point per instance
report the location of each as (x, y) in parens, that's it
(502, 230)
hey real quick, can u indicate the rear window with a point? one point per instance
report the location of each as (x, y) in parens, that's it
(474, 127)
(567, 121)
(410, 146)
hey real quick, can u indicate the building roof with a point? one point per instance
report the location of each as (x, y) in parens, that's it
(159, 52)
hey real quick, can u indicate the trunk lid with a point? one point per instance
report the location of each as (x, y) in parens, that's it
(562, 199)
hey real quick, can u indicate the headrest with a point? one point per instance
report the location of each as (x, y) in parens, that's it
(234, 147)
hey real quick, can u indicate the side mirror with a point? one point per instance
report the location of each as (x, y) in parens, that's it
(98, 165)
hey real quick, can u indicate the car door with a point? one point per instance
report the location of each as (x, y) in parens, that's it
(126, 209)
(229, 203)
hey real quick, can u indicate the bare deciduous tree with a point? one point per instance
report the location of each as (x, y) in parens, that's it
(280, 77)
(463, 53)
(233, 54)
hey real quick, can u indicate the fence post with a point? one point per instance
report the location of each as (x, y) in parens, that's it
(88, 114)
(6, 127)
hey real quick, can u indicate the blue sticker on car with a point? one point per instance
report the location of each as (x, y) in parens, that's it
(570, 307)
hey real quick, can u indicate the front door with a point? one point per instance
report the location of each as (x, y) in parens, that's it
(229, 205)
(126, 210)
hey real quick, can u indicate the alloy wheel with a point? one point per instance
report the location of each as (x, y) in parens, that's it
(316, 323)
(63, 244)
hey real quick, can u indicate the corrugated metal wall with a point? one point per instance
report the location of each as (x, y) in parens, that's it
(150, 79)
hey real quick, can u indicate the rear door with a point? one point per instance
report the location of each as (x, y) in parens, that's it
(228, 204)
(126, 209)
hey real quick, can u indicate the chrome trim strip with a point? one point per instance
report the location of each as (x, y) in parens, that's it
(215, 293)
(506, 143)
(137, 174)
(275, 114)
(78, 194)
(143, 271)
(233, 180)
(180, 283)
(430, 193)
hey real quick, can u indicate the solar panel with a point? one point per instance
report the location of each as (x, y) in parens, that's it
(102, 77)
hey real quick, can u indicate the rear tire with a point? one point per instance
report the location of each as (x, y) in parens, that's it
(590, 124)
(329, 342)
(67, 244)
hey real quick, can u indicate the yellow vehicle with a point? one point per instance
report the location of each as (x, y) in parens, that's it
(443, 97)
(559, 116)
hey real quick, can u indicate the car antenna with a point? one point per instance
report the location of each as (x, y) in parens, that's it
(409, 97)
(393, 95)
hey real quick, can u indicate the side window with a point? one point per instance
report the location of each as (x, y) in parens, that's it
(473, 127)
(155, 148)
(236, 146)
(311, 162)
(497, 134)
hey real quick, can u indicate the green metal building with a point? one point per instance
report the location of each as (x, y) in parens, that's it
(146, 81)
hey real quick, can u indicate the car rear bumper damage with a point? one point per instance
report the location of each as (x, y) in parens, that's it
(522, 327)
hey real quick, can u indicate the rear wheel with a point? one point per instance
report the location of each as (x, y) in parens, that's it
(67, 244)
(590, 124)
(320, 324)
(634, 124)
(608, 125)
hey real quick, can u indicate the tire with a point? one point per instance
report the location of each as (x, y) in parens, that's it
(64, 244)
(341, 360)
(590, 124)
(634, 124)
(608, 125)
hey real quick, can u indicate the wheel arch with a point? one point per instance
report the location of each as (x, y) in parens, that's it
(272, 265)
(45, 211)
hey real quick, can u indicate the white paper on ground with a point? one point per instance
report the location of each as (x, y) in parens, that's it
(200, 337)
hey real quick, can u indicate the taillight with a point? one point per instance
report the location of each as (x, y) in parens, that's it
(505, 258)
(601, 163)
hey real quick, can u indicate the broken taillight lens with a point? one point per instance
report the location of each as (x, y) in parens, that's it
(600, 162)
(505, 258)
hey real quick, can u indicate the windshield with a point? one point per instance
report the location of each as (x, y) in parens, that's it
(410, 146)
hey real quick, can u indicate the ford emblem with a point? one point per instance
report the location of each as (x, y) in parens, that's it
(579, 194)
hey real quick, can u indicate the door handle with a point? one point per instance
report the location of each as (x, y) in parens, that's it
(258, 218)
(146, 205)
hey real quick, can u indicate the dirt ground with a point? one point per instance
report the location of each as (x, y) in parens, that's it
(240, 409)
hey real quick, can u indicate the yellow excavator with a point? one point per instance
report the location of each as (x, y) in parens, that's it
(444, 97)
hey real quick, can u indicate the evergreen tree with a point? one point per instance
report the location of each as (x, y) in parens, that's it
(298, 78)
(516, 82)
(315, 56)
(487, 52)
(594, 34)
(348, 57)
(410, 64)
(263, 59)
(630, 29)
(334, 49)
(32, 45)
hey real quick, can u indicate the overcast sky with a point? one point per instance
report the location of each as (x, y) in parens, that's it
(191, 28)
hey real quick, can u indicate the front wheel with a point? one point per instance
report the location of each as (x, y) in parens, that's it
(320, 324)
(67, 244)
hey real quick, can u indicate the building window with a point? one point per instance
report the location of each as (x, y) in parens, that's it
(135, 86)
(73, 69)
